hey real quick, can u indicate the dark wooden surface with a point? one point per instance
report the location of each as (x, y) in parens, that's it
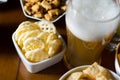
(11, 67)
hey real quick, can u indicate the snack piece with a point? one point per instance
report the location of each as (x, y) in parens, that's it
(56, 3)
(44, 36)
(26, 35)
(79, 76)
(24, 27)
(32, 33)
(38, 41)
(23, 24)
(27, 9)
(46, 4)
(98, 72)
(51, 37)
(35, 8)
(36, 55)
(63, 8)
(75, 76)
(48, 17)
(21, 39)
(93, 72)
(54, 47)
(47, 26)
(38, 15)
(33, 43)
(19, 32)
(28, 25)
(54, 12)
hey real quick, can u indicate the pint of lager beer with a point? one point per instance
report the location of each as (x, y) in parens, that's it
(91, 24)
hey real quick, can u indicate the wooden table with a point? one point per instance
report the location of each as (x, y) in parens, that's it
(11, 67)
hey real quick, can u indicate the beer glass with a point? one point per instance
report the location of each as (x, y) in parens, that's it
(90, 25)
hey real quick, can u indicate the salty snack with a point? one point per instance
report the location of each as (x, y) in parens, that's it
(118, 52)
(38, 41)
(45, 9)
(36, 55)
(93, 72)
(79, 76)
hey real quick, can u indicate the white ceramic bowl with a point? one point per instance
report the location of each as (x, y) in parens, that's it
(80, 68)
(22, 5)
(38, 66)
(117, 66)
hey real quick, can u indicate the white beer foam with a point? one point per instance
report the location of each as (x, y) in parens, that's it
(86, 23)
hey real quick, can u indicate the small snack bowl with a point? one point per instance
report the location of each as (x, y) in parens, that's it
(37, 66)
(83, 72)
(117, 59)
(51, 10)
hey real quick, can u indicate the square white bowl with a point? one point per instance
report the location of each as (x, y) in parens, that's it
(80, 68)
(22, 5)
(38, 66)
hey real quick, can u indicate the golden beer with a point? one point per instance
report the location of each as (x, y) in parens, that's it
(82, 52)
(88, 34)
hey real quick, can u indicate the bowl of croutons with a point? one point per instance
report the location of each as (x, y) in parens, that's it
(50, 10)
(38, 44)
(90, 72)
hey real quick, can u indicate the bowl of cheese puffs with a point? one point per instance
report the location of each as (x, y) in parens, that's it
(50, 10)
(90, 72)
(38, 44)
